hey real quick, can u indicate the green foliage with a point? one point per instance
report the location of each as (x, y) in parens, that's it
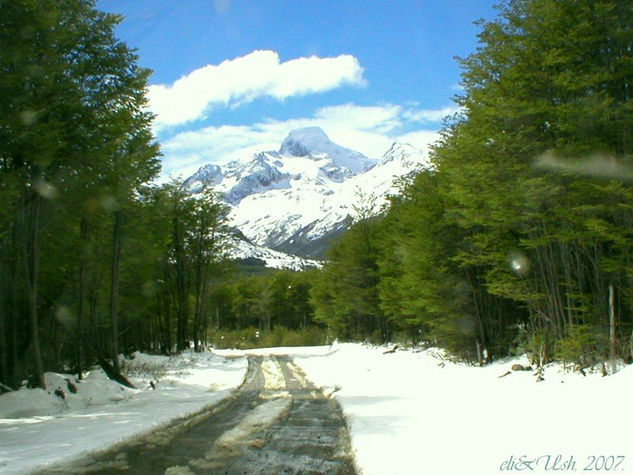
(525, 219)
(537, 212)
(345, 293)
(583, 346)
(93, 256)
(419, 288)
(75, 147)
(251, 337)
(275, 305)
(537, 344)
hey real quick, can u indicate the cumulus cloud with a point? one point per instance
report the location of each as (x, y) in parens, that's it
(243, 79)
(368, 129)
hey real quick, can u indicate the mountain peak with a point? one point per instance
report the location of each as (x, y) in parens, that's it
(296, 199)
(313, 143)
(206, 175)
(305, 141)
(309, 132)
(403, 152)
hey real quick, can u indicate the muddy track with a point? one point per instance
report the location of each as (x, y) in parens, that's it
(277, 422)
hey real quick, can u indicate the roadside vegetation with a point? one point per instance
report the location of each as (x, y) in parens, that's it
(519, 238)
(93, 259)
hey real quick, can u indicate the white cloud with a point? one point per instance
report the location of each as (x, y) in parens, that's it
(243, 79)
(368, 129)
(421, 139)
(430, 115)
(376, 118)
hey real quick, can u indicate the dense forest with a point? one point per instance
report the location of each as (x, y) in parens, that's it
(519, 237)
(93, 259)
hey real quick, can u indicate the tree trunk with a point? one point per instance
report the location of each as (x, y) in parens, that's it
(81, 318)
(93, 296)
(114, 289)
(6, 284)
(201, 308)
(480, 360)
(167, 329)
(199, 285)
(15, 365)
(4, 348)
(612, 341)
(31, 261)
(181, 285)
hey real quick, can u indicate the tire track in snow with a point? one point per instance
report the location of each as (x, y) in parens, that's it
(276, 422)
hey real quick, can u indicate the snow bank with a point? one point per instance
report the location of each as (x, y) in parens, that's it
(39, 428)
(408, 412)
(417, 413)
(72, 394)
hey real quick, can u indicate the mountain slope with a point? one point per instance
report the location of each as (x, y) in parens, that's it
(297, 198)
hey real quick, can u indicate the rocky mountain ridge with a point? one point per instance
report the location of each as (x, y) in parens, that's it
(295, 199)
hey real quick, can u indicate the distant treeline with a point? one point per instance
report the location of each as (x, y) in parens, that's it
(520, 236)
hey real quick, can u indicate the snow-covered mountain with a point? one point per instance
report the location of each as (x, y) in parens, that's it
(295, 199)
(250, 253)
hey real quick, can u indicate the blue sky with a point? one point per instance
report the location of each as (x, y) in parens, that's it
(235, 76)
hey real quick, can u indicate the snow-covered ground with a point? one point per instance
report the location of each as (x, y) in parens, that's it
(37, 427)
(409, 412)
(413, 413)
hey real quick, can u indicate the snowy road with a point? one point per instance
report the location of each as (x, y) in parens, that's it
(277, 422)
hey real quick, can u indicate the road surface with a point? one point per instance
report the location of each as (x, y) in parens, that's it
(277, 422)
